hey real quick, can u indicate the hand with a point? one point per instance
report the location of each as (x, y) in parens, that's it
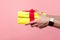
(41, 22)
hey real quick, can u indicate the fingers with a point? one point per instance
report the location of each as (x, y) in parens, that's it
(42, 13)
(31, 23)
(34, 25)
(38, 26)
(42, 26)
(39, 13)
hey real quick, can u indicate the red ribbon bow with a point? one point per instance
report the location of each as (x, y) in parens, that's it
(31, 14)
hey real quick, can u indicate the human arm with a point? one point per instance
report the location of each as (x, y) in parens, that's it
(43, 21)
(56, 20)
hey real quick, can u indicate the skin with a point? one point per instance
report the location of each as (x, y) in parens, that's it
(57, 20)
(43, 21)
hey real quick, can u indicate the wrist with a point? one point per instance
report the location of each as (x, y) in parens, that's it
(57, 23)
(51, 22)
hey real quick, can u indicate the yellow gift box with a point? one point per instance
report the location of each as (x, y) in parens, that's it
(27, 16)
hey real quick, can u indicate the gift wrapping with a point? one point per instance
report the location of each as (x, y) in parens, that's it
(27, 16)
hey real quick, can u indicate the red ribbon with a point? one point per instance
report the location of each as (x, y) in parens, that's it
(31, 14)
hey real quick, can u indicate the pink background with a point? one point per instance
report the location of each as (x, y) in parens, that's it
(10, 30)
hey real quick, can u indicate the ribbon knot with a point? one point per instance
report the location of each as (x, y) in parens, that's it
(31, 14)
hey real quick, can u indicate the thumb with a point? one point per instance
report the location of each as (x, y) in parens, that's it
(39, 13)
(43, 14)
